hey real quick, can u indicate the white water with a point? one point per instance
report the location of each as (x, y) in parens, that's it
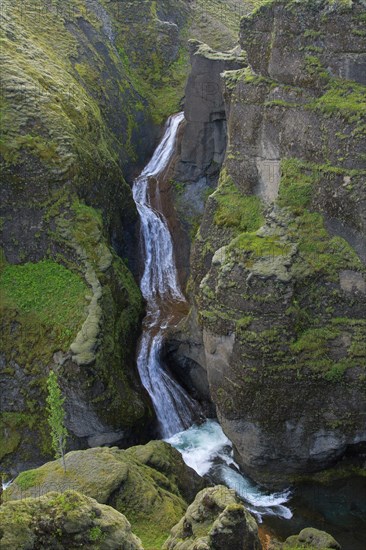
(160, 276)
(208, 451)
(205, 448)
(159, 285)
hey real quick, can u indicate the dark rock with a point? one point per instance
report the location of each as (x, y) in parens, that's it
(278, 265)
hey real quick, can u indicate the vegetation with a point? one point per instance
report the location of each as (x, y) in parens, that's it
(49, 291)
(56, 417)
(242, 213)
(343, 98)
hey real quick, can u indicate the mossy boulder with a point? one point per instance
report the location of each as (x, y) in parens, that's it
(67, 520)
(150, 484)
(308, 538)
(216, 520)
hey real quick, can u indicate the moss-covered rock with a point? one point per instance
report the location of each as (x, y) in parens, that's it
(308, 538)
(278, 268)
(215, 520)
(67, 520)
(150, 484)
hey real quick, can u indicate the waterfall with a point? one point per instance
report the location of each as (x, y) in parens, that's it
(205, 447)
(160, 288)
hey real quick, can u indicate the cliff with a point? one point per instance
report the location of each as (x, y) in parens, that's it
(278, 283)
(79, 116)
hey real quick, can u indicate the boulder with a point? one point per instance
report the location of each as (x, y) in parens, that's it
(150, 484)
(216, 520)
(67, 520)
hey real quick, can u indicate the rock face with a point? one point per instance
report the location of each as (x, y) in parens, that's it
(216, 520)
(204, 139)
(150, 484)
(68, 520)
(78, 114)
(278, 266)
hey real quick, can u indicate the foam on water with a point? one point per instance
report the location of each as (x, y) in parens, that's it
(207, 450)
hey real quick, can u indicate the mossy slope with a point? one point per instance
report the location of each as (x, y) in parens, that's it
(150, 484)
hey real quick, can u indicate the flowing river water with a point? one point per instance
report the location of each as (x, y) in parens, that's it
(204, 447)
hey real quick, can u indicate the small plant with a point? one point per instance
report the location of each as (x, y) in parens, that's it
(56, 417)
(95, 534)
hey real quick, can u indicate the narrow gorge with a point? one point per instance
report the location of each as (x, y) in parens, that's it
(183, 218)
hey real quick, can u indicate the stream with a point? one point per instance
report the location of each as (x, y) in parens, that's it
(203, 446)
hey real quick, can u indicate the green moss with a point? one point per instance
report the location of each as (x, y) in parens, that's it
(96, 534)
(297, 181)
(343, 98)
(10, 432)
(243, 323)
(319, 252)
(29, 478)
(141, 482)
(260, 247)
(54, 294)
(316, 70)
(235, 210)
(315, 341)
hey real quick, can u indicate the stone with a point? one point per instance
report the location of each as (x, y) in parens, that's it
(67, 520)
(216, 520)
(311, 538)
(150, 484)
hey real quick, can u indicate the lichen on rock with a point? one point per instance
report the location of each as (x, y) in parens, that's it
(215, 520)
(67, 520)
(150, 484)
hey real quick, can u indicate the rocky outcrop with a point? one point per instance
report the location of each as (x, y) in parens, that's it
(67, 520)
(150, 484)
(215, 520)
(278, 266)
(203, 144)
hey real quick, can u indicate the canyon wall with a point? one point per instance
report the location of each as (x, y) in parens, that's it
(79, 116)
(278, 285)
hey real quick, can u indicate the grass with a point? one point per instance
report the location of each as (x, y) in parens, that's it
(49, 291)
(343, 97)
(28, 479)
(235, 210)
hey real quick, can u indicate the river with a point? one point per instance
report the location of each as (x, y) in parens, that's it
(203, 446)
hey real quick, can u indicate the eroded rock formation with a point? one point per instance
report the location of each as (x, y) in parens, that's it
(278, 265)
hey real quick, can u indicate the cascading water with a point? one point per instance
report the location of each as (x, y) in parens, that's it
(205, 448)
(160, 288)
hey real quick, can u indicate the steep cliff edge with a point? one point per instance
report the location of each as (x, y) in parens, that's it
(78, 116)
(278, 267)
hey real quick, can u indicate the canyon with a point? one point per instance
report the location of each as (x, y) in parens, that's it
(215, 298)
